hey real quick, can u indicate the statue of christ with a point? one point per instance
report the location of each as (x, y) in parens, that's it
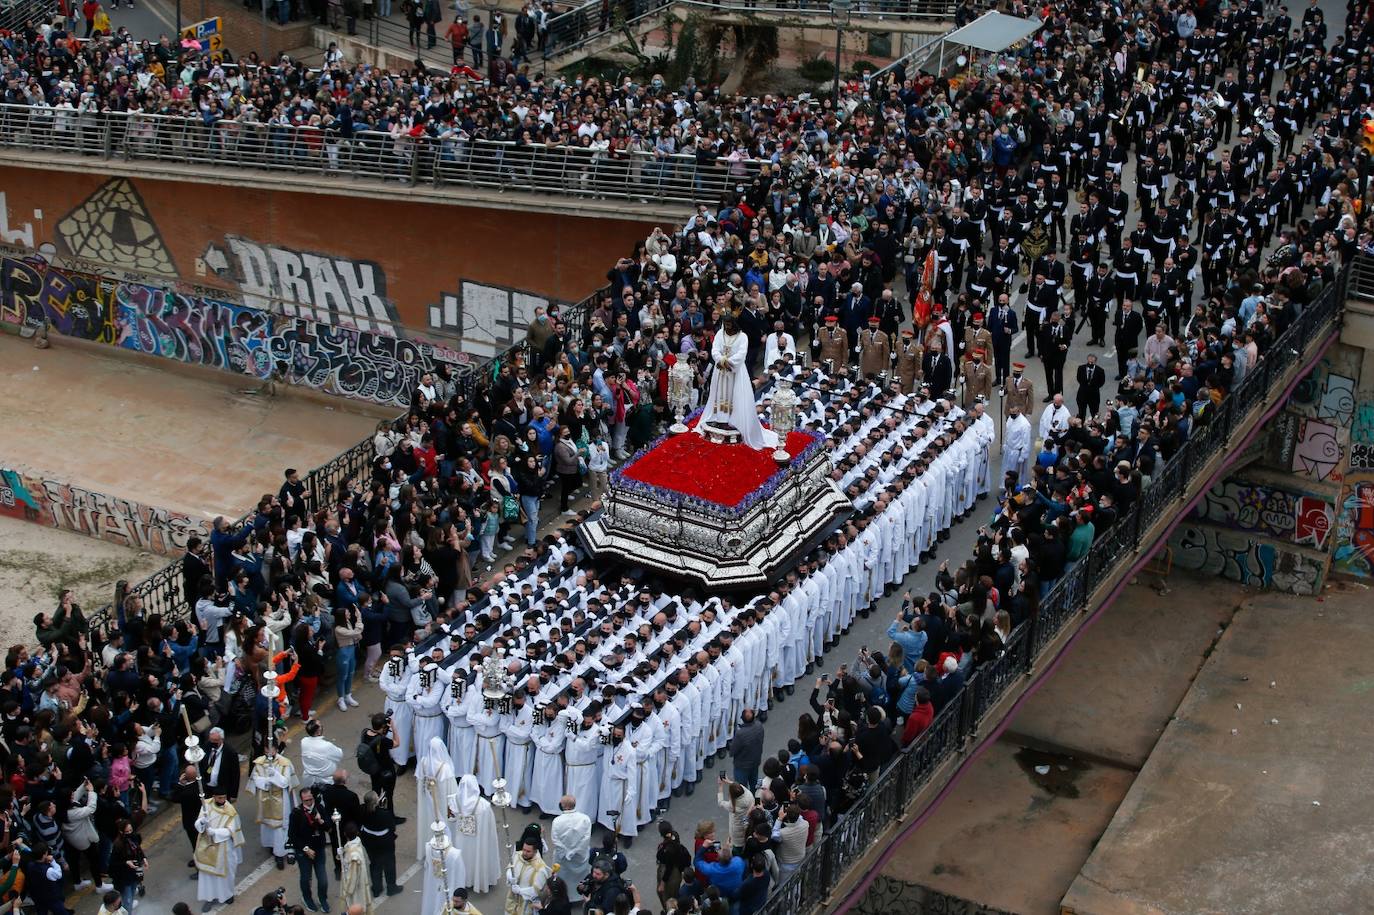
(731, 398)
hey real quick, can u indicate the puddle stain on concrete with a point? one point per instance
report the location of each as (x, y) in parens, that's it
(1055, 773)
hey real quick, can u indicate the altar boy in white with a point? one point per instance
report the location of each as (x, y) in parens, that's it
(731, 398)
(219, 851)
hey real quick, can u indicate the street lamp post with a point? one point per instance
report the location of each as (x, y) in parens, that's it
(840, 11)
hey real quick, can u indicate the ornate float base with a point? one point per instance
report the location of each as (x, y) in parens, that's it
(721, 548)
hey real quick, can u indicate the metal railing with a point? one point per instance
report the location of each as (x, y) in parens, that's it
(867, 822)
(16, 14)
(591, 21)
(437, 161)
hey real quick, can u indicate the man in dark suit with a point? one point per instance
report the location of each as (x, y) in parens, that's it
(1129, 325)
(1091, 378)
(855, 310)
(937, 369)
(1002, 325)
(1054, 352)
(193, 569)
(219, 770)
(338, 796)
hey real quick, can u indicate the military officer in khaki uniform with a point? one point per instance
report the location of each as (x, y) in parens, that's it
(875, 350)
(834, 342)
(908, 355)
(1019, 391)
(977, 378)
(976, 336)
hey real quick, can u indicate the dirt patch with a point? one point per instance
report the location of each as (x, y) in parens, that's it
(36, 563)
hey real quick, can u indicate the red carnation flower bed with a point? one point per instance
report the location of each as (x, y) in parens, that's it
(723, 474)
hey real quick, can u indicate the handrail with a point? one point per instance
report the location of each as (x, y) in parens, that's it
(448, 159)
(955, 727)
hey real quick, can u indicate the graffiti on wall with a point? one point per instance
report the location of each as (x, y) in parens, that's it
(1257, 508)
(1245, 559)
(1361, 457)
(1354, 551)
(114, 226)
(30, 497)
(1318, 450)
(18, 498)
(74, 305)
(119, 520)
(160, 322)
(304, 284)
(488, 318)
(1328, 391)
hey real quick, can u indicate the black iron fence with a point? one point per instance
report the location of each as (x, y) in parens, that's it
(855, 834)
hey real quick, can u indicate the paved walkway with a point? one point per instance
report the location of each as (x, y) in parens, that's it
(189, 441)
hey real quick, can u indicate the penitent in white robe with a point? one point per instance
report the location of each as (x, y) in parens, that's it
(731, 397)
(546, 780)
(475, 836)
(444, 873)
(435, 789)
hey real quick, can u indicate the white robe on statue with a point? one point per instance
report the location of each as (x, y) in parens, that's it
(435, 787)
(572, 848)
(475, 836)
(444, 873)
(731, 398)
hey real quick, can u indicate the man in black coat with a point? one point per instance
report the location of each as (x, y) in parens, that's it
(306, 835)
(1129, 326)
(193, 569)
(1091, 378)
(338, 796)
(946, 689)
(219, 770)
(1054, 346)
(936, 368)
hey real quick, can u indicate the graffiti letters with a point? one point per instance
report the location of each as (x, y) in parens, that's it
(320, 288)
(1265, 509)
(1245, 559)
(1361, 457)
(192, 330)
(230, 337)
(1362, 426)
(74, 305)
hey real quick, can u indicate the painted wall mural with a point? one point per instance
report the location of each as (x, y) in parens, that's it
(1250, 560)
(363, 365)
(51, 503)
(418, 266)
(1329, 390)
(1354, 550)
(1304, 519)
(1319, 450)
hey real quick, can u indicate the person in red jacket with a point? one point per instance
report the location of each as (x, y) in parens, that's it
(920, 718)
(88, 10)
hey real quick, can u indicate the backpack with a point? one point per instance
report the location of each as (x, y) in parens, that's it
(366, 755)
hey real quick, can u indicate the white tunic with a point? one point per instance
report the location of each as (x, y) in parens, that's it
(394, 681)
(435, 790)
(444, 873)
(571, 833)
(519, 755)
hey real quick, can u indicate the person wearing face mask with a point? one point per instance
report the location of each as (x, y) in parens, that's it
(219, 851)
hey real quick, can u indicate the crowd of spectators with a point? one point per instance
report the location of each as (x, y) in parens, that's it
(840, 223)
